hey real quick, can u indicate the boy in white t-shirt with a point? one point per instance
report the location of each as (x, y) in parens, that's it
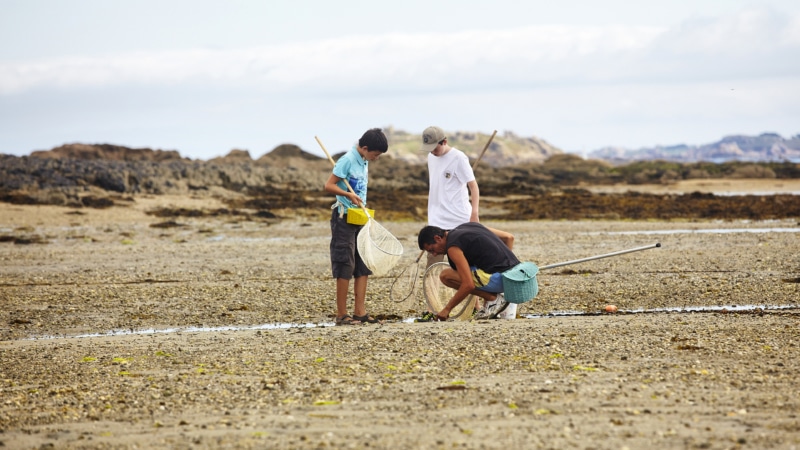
(453, 195)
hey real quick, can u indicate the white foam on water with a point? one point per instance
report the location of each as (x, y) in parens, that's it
(757, 194)
(279, 326)
(148, 331)
(677, 309)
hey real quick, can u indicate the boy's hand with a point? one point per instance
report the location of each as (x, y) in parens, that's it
(355, 199)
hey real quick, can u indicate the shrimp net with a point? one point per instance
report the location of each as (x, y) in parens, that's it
(378, 248)
(437, 294)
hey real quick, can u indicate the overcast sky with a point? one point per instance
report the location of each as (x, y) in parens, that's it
(203, 77)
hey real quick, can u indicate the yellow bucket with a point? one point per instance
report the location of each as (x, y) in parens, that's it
(356, 216)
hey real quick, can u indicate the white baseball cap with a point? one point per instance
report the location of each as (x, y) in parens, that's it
(431, 138)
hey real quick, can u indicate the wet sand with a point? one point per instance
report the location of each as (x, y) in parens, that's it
(766, 186)
(123, 330)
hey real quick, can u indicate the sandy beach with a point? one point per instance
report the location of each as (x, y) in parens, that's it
(125, 330)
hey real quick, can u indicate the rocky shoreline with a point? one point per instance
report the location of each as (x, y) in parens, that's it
(564, 187)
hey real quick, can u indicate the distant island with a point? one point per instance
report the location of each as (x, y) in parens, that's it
(767, 147)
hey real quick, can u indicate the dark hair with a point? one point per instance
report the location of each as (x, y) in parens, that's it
(427, 234)
(374, 140)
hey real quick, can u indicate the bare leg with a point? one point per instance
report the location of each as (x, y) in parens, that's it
(451, 279)
(342, 286)
(433, 259)
(360, 290)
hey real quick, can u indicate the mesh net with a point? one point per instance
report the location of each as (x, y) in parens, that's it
(405, 283)
(378, 248)
(437, 294)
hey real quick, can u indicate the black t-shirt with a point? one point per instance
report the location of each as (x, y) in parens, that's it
(482, 248)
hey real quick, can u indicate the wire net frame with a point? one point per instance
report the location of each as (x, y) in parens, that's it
(437, 294)
(404, 285)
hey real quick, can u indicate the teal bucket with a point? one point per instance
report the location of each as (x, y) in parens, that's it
(520, 284)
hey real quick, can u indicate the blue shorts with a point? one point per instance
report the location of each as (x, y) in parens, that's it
(487, 282)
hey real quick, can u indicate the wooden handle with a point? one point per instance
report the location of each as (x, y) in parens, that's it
(484, 149)
(325, 150)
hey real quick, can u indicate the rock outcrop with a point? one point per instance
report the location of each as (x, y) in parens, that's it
(527, 175)
(108, 152)
(506, 149)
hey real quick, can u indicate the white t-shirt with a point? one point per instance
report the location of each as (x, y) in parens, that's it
(448, 197)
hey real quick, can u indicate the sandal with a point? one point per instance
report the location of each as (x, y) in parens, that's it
(346, 320)
(366, 318)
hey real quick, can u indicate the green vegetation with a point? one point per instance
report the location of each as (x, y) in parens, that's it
(658, 171)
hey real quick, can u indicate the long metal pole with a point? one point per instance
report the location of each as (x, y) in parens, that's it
(592, 258)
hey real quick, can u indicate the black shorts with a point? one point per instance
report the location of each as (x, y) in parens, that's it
(345, 260)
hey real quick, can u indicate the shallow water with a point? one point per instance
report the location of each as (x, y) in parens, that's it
(759, 194)
(278, 326)
(687, 309)
(698, 231)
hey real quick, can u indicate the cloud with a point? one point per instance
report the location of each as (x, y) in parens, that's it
(753, 42)
(427, 60)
